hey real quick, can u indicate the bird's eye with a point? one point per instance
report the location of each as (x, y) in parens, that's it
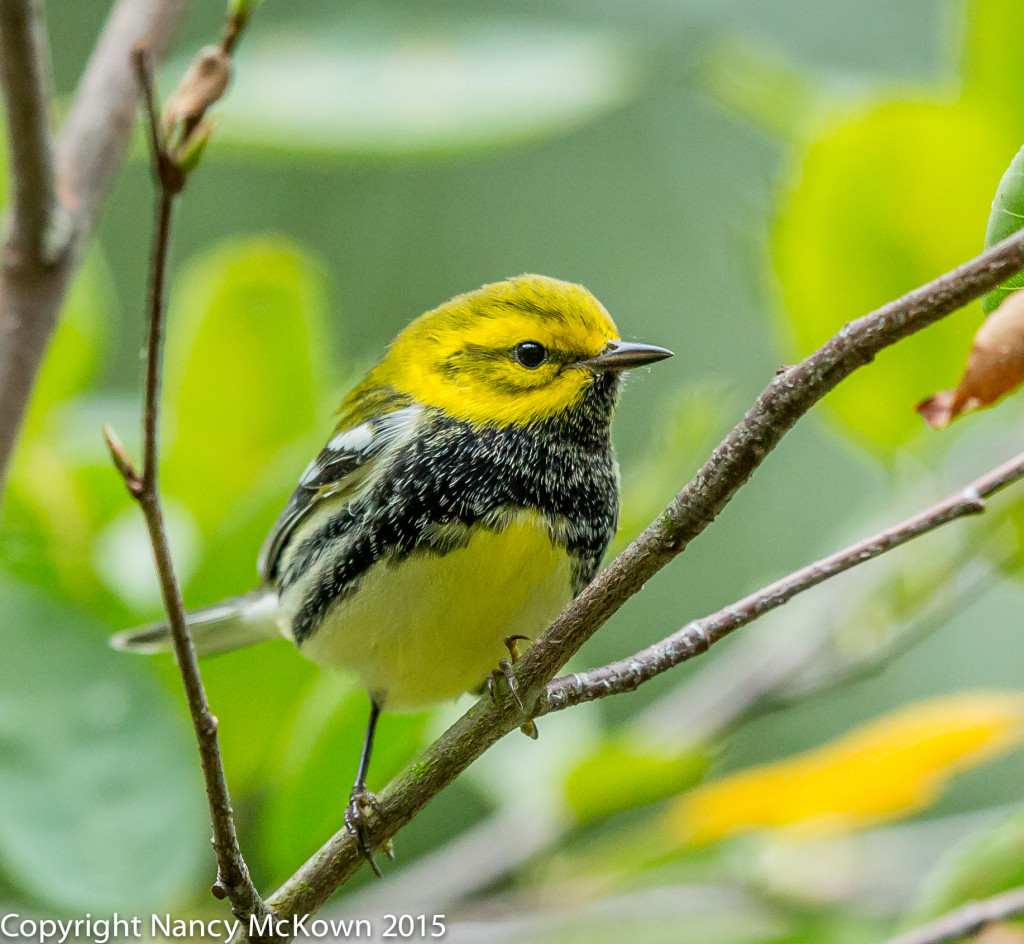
(531, 354)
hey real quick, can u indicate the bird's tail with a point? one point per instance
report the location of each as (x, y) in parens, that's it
(231, 624)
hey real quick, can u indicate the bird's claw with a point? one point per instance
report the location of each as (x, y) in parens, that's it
(504, 671)
(360, 804)
(512, 645)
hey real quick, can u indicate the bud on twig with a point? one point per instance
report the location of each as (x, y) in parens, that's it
(242, 9)
(239, 14)
(202, 84)
(122, 461)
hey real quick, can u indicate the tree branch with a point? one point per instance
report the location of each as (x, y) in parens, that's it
(89, 154)
(25, 83)
(788, 397)
(233, 879)
(629, 674)
(966, 921)
(99, 124)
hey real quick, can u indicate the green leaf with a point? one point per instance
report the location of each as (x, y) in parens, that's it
(317, 765)
(623, 774)
(229, 560)
(49, 515)
(102, 799)
(247, 360)
(871, 212)
(1007, 217)
(382, 91)
(980, 867)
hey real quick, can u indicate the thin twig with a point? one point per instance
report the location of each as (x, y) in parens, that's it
(233, 879)
(767, 673)
(627, 675)
(25, 82)
(89, 153)
(966, 921)
(788, 397)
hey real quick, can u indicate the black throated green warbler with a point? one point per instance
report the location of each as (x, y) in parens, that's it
(469, 491)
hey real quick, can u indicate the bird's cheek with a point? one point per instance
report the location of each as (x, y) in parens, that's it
(569, 385)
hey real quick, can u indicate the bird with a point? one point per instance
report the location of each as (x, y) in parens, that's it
(467, 493)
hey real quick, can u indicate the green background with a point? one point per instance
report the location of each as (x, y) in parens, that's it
(734, 180)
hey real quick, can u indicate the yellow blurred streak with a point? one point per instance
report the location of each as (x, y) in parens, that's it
(890, 767)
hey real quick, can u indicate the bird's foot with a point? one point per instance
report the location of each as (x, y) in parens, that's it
(361, 803)
(504, 671)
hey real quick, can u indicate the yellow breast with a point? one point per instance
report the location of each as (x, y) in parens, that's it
(430, 627)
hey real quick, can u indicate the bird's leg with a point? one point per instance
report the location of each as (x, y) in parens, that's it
(361, 800)
(512, 645)
(504, 671)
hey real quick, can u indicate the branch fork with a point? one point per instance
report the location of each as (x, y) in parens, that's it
(784, 401)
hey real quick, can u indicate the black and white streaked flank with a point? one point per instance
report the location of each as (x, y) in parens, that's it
(417, 483)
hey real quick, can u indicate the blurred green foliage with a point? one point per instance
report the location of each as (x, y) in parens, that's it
(316, 751)
(624, 774)
(81, 788)
(982, 865)
(877, 211)
(735, 181)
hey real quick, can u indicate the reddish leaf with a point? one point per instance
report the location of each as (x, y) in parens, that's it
(995, 366)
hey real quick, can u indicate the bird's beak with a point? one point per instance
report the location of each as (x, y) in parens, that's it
(623, 355)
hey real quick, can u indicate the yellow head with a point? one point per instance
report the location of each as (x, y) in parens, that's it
(512, 352)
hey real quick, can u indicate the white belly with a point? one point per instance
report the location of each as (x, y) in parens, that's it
(431, 627)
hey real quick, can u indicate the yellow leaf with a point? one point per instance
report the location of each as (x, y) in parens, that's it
(890, 767)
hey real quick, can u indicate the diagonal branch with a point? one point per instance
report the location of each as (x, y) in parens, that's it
(25, 83)
(788, 397)
(629, 674)
(966, 921)
(89, 153)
